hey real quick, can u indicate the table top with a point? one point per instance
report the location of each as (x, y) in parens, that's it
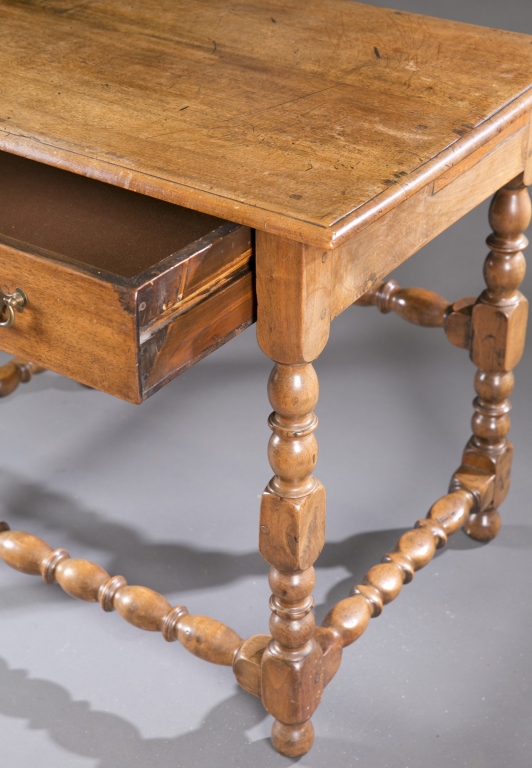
(307, 118)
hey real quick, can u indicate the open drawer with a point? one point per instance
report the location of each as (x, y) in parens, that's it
(124, 291)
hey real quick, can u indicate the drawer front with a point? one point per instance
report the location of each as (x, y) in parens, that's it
(73, 323)
(130, 336)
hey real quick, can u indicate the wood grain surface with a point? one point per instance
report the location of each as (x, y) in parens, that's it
(125, 336)
(308, 119)
(140, 606)
(75, 323)
(372, 253)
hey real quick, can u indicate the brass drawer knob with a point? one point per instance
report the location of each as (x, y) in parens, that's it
(9, 304)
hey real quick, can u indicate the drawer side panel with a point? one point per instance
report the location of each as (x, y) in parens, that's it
(198, 331)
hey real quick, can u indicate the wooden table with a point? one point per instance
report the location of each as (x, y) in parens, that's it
(346, 137)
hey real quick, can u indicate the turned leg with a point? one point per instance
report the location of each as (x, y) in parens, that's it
(498, 326)
(293, 293)
(292, 533)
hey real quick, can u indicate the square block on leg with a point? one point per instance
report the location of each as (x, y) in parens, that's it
(292, 531)
(498, 337)
(497, 466)
(292, 687)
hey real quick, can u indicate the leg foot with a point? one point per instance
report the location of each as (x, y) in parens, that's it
(292, 740)
(483, 526)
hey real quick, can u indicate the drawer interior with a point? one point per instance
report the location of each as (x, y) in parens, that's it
(124, 291)
(96, 224)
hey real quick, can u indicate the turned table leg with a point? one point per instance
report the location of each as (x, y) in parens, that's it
(292, 534)
(493, 329)
(498, 327)
(293, 294)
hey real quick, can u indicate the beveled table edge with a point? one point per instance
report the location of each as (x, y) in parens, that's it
(326, 237)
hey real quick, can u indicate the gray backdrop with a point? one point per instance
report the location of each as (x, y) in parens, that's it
(167, 494)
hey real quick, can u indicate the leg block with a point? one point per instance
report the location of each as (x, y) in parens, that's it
(247, 663)
(498, 337)
(292, 687)
(292, 531)
(497, 464)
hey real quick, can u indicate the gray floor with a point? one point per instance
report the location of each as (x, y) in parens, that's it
(167, 494)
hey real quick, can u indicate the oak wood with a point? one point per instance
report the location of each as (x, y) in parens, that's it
(498, 328)
(479, 154)
(248, 658)
(59, 328)
(423, 307)
(457, 323)
(349, 618)
(90, 314)
(15, 372)
(527, 176)
(98, 224)
(294, 299)
(171, 104)
(331, 649)
(345, 165)
(291, 287)
(416, 305)
(292, 534)
(144, 608)
(199, 329)
(374, 252)
(247, 663)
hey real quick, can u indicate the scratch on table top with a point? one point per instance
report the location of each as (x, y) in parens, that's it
(282, 103)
